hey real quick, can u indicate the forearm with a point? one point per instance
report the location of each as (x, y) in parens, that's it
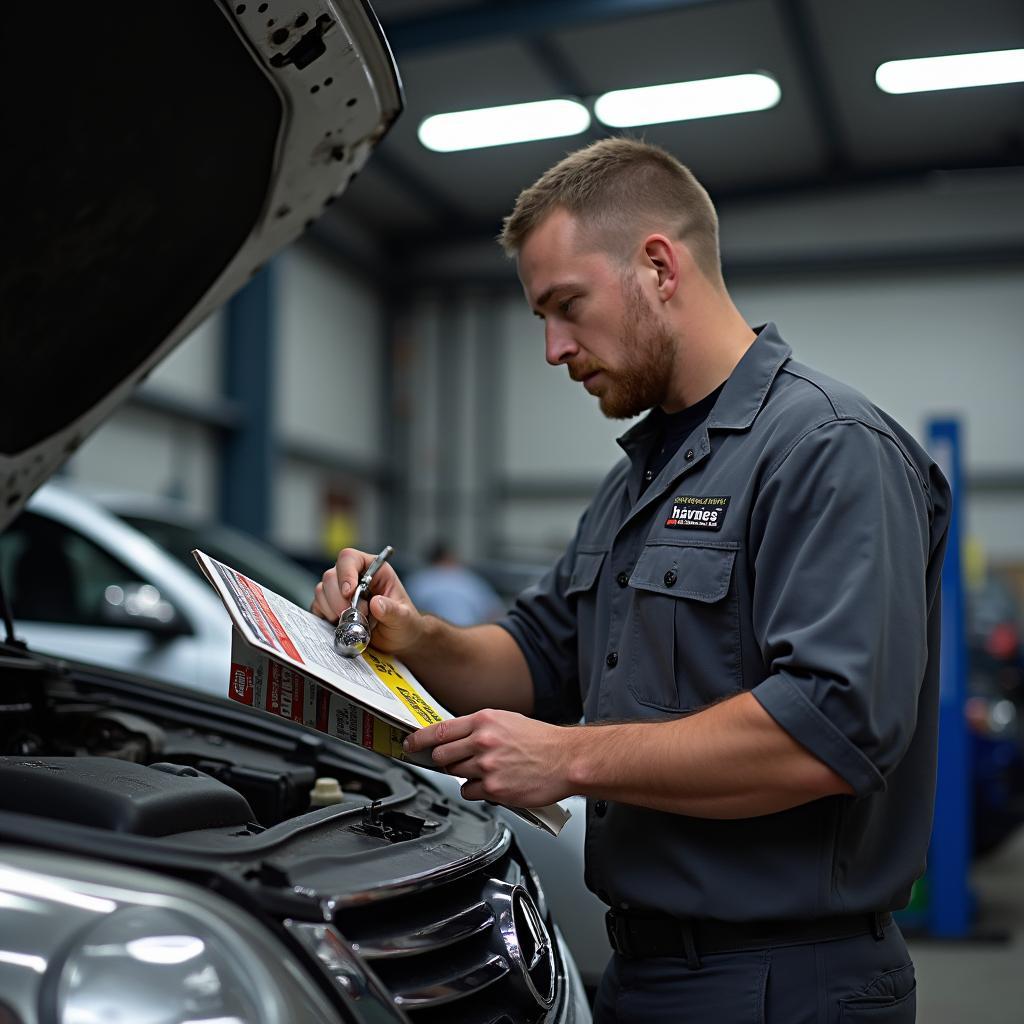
(469, 669)
(731, 760)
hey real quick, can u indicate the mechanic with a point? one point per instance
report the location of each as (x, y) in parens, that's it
(747, 620)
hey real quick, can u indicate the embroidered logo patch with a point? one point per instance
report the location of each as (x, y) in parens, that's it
(690, 512)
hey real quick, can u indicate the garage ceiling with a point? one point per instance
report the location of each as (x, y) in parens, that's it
(833, 126)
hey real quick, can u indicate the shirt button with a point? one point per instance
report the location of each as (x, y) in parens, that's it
(601, 808)
(689, 455)
(648, 475)
(622, 579)
(670, 578)
(612, 660)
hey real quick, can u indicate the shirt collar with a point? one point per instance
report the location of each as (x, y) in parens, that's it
(744, 392)
(748, 385)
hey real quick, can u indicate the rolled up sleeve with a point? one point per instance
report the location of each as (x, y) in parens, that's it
(841, 534)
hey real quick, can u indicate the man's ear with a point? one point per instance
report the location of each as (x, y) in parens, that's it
(663, 259)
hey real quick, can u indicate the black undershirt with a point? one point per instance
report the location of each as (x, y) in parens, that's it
(674, 429)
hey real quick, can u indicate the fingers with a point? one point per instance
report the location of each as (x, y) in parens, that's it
(442, 733)
(321, 605)
(327, 600)
(333, 594)
(351, 564)
(389, 611)
(449, 754)
(473, 789)
(456, 747)
(330, 593)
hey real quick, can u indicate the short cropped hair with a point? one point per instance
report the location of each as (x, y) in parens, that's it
(617, 188)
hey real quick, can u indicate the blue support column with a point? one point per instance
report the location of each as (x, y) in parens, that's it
(248, 452)
(949, 857)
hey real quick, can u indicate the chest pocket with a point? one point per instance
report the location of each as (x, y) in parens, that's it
(584, 571)
(684, 630)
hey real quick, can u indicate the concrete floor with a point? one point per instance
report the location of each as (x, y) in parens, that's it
(980, 983)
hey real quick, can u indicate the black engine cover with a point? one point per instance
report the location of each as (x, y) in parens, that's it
(104, 792)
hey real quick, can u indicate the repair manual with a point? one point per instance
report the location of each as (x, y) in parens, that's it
(283, 662)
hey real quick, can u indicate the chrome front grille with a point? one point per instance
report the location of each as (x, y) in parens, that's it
(471, 951)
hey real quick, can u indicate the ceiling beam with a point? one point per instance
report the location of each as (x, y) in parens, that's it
(369, 268)
(514, 18)
(400, 173)
(813, 185)
(814, 261)
(566, 78)
(817, 87)
(557, 65)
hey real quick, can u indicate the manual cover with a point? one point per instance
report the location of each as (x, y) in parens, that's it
(283, 662)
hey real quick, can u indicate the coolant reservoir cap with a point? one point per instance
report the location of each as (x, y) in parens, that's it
(325, 791)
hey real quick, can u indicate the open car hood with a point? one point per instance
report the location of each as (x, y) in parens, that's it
(157, 155)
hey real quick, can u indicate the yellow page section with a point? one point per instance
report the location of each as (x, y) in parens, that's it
(387, 739)
(424, 712)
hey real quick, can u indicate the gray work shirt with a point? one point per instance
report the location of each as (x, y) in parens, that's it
(792, 547)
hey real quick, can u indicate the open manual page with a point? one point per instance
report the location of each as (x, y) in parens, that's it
(283, 661)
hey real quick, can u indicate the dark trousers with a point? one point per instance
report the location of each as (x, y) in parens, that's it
(859, 980)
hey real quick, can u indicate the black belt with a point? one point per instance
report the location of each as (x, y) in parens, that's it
(637, 935)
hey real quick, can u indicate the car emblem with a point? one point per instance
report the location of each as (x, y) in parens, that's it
(527, 942)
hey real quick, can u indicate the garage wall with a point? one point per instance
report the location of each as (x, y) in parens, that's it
(919, 344)
(500, 452)
(193, 369)
(550, 432)
(153, 449)
(449, 387)
(329, 380)
(527, 446)
(330, 415)
(945, 340)
(139, 451)
(424, 394)
(302, 507)
(329, 362)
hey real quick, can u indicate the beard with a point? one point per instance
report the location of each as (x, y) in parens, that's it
(649, 347)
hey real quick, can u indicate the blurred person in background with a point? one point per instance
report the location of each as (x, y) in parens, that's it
(451, 591)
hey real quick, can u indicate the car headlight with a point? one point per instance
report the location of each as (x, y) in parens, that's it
(82, 942)
(152, 965)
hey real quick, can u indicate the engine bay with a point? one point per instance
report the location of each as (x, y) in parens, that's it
(89, 757)
(118, 754)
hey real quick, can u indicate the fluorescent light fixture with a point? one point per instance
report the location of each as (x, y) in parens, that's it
(959, 71)
(501, 126)
(685, 101)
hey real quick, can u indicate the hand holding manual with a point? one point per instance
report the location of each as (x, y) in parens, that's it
(283, 661)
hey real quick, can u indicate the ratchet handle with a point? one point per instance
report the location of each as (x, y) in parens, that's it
(367, 578)
(352, 635)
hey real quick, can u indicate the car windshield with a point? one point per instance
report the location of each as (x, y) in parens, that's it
(249, 556)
